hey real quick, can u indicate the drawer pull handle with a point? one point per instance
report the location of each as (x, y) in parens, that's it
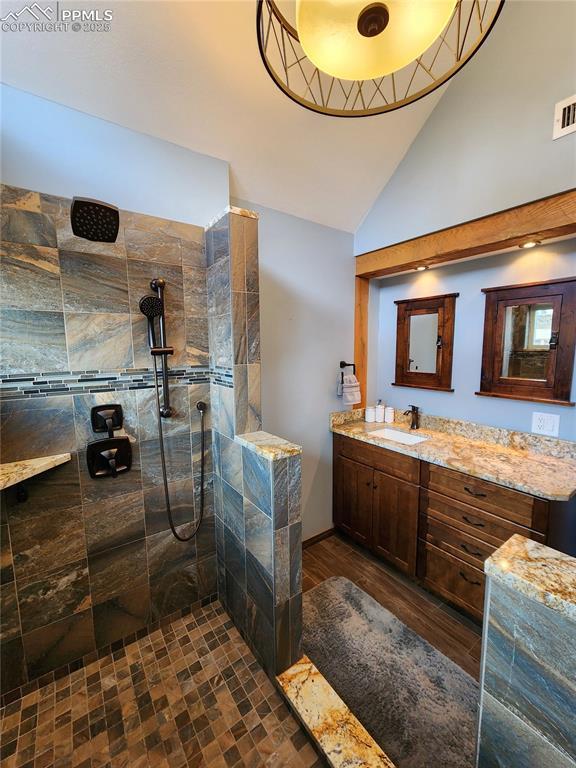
(369, 483)
(470, 581)
(472, 522)
(476, 494)
(474, 552)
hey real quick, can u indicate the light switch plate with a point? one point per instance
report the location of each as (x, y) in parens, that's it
(546, 424)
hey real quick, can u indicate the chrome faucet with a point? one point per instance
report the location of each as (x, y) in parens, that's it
(414, 412)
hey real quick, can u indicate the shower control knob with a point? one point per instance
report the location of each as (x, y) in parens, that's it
(201, 405)
(166, 411)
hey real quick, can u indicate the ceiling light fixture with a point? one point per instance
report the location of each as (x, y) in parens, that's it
(354, 58)
(421, 269)
(529, 244)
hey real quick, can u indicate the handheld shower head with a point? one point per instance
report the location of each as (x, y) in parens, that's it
(151, 307)
(93, 220)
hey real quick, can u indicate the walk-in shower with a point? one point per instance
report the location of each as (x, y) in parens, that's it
(152, 307)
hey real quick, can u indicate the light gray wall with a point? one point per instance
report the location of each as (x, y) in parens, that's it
(488, 144)
(468, 278)
(306, 322)
(48, 147)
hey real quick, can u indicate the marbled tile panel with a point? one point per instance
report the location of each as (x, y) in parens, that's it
(167, 555)
(235, 601)
(53, 597)
(257, 480)
(254, 423)
(178, 460)
(506, 741)
(240, 399)
(282, 637)
(208, 494)
(50, 647)
(235, 557)
(207, 581)
(140, 273)
(121, 616)
(16, 197)
(281, 565)
(231, 460)
(259, 583)
(218, 503)
(58, 210)
(226, 411)
(181, 503)
(296, 627)
(6, 565)
(294, 488)
(195, 297)
(280, 492)
(12, 664)
(259, 536)
(237, 253)
(10, 625)
(218, 287)
(175, 333)
(233, 511)
(21, 226)
(197, 392)
(196, 441)
(206, 538)
(32, 341)
(253, 326)
(118, 570)
(251, 255)
(113, 522)
(172, 590)
(342, 739)
(219, 245)
(177, 424)
(180, 229)
(57, 489)
(530, 665)
(105, 488)
(220, 341)
(193, 254)
(42, 543)
(99, 340)
(29, 278)
(93, 282)
(541, 573)
(239, 327)
(197, 352)
(295, 535)
(260, 634)
(83, 405)
(144, 245)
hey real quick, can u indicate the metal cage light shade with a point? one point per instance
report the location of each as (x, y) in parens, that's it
(334, 65)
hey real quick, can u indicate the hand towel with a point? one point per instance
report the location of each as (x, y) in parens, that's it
(351, 390)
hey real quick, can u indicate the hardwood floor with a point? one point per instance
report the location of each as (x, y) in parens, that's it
(446, 629)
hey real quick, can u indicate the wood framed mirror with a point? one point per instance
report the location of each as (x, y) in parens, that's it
(529, 340)
(425, 341)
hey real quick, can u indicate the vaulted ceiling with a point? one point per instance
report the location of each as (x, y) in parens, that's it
(191, 73)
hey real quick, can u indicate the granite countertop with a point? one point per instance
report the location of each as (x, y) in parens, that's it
(540, 475)
(269, 446)
(342, 738)
(537, 571)
(17, 471)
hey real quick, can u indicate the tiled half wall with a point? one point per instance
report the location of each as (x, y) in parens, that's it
(257, 477)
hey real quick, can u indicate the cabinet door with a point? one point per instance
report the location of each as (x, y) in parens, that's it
(395, 521)
(353, 499)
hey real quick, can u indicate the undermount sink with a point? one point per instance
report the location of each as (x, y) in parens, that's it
(398, 437)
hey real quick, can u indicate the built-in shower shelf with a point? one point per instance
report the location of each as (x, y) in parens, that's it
(17, 471)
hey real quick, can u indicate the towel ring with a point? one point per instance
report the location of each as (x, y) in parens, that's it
(344, 364)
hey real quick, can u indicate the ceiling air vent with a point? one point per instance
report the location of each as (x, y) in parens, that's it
(564, 117)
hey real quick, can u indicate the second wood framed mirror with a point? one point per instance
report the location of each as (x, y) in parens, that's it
(425, 341)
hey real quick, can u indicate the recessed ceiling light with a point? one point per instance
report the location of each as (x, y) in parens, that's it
(421, 269)
(529, 244)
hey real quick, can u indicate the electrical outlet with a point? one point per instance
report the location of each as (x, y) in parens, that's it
(546, 424)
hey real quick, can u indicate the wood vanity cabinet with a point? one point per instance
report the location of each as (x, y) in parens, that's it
(432, 523)
(378, 509)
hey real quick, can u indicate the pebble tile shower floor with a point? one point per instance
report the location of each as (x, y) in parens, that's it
(188, 694)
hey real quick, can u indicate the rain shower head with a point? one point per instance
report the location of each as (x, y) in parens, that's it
(93, 220)
(151, 307)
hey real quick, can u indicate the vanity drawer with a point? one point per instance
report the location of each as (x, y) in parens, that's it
(453, 579)
(473, 521)
(472, 550)
(512, 505)
(391, 463)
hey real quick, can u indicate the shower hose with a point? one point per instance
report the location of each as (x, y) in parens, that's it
(163, 463)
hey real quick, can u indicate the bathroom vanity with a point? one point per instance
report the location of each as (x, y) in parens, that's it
(438, 524)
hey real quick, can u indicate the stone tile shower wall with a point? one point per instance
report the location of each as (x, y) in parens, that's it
(86, 563)
(257, 497)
